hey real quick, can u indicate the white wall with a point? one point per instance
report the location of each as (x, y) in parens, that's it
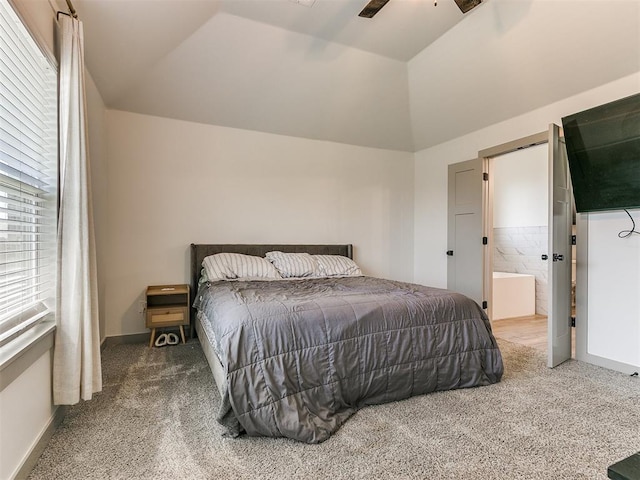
(431, 205)
(172, 183)
(614, 288)
(520, 188)
(26, 411)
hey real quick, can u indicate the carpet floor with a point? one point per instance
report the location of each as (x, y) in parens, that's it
(155, 419)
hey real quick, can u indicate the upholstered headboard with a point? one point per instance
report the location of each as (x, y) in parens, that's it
(200, 251)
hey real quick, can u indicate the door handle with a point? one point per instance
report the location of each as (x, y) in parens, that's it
(545, 256)
(558, 257)
(450, 253)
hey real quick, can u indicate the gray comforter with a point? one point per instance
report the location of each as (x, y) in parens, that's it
(301, 356)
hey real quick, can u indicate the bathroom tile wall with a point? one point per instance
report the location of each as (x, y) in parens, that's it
(519, 250)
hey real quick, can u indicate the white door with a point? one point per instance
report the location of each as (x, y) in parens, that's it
(466, 249)
(559, 257)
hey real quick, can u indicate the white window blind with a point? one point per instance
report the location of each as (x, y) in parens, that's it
(28, 178)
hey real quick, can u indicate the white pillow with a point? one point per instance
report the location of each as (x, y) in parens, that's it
(229, 266)
(292, 265)
(337, 265)
(203, 277)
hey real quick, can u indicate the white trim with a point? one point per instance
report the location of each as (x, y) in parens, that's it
(22, 327)
(18, 355)
(37, 36)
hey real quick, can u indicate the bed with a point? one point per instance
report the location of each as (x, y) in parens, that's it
(296, 357)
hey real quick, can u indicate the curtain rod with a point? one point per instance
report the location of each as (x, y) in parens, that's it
(72, 11)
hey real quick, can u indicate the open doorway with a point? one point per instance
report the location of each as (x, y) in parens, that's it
(525, 250)
(519, 184)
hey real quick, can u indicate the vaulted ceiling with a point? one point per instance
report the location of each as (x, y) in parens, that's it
(322, 72)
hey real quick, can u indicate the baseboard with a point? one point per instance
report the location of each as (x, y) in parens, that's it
(42, 443)
(132, 338)
(121, 339)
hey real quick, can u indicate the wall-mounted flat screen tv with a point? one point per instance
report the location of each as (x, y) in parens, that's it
(603, 148)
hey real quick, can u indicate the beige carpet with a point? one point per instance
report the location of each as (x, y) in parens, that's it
(155, 420)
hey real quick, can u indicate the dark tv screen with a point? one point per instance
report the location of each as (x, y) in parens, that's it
(603, 148)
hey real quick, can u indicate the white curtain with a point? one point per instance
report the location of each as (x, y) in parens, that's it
(76, 369)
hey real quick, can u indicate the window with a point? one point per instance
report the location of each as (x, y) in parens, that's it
(28, 178)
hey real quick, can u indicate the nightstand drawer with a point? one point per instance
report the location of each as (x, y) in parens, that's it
(165, 316)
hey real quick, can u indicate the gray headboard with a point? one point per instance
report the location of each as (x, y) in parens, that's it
(199, 251)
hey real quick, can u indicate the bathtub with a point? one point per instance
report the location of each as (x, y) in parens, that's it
(514, 295)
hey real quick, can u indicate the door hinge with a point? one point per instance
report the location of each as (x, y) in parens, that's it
(573, 321)
(485, 176)
(485, 240)
(573, 239)
(485, 305)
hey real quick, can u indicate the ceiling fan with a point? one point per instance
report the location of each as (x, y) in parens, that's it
(374, 6)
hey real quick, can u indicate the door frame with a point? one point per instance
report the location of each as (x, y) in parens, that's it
(554, 355)
(487, 154)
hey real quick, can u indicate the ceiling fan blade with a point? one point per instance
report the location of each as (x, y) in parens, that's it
(466, 5)
(372, 8)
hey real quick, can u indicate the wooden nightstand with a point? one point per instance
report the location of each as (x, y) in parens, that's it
(167, 306)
